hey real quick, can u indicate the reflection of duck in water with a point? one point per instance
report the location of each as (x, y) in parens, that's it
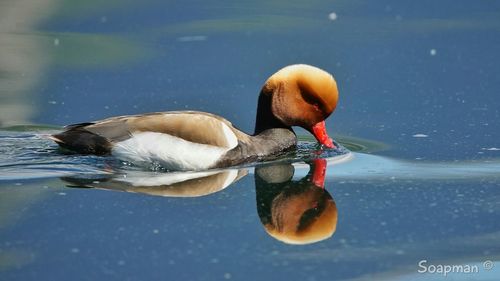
(186, 184)
(295, 212)
(292, 211)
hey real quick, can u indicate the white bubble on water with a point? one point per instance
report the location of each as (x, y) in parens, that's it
(192, 38)
(420, 135)
(332, 16)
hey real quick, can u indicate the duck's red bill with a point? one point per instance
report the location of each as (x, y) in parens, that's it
(319, 132)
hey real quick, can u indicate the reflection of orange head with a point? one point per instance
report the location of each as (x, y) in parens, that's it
(303, 218)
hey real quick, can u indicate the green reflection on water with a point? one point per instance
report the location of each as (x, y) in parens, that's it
(15, 200)
(279, 23)
(30, 128)
(15, 259)
(94, 50)
(87, 8)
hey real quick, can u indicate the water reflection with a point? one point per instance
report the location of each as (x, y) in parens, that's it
(295, 211)
(189, 184)
(23, 60)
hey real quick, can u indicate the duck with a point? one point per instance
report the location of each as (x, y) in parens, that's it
(296, 95)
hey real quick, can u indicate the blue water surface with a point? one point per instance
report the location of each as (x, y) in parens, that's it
(418, 118)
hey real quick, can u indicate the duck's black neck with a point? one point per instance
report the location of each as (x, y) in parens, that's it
(265, 119)
(271, 135)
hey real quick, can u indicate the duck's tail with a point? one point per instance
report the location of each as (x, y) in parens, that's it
(76, 138)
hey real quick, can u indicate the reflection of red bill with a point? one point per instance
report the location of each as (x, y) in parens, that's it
(319, 172)
(319, 132)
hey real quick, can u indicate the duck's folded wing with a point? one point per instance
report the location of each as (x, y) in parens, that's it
(192, 126)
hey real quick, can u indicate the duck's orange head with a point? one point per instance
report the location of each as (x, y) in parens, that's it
(303, 95)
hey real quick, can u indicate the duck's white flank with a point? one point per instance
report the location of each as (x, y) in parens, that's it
(173, 153)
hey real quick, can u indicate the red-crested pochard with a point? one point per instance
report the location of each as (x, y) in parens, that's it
(297, 95)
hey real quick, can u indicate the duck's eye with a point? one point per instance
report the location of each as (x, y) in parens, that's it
(312, 101)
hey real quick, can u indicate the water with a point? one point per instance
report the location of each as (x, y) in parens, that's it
(419, 113)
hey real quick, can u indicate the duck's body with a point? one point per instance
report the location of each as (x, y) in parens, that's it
(191, 140)
(177, 140)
